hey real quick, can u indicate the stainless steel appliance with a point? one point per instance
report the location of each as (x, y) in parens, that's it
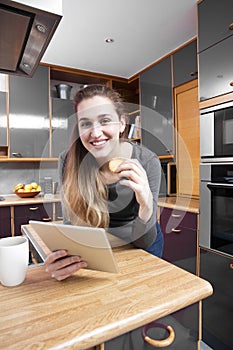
(25, 33)
(216, 207)
(216, 133)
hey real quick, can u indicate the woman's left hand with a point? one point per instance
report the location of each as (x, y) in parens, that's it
(136, 179)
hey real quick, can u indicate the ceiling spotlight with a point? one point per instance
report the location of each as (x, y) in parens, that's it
(26, 65)
(41, 28)
(109, 40)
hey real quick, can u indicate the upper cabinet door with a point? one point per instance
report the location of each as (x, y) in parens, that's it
(63, 121)
(3, 115)
(216, 70)
(3, 119)
(185, 64)
(29, 115)
(156, 108)
(215, 22)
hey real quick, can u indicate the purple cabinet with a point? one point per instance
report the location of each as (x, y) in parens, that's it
(5, 222)
(24, 213)
(180, 237)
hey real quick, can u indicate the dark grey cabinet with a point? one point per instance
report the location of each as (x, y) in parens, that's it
(180, 237)
(3, 119)
(215, 46)
(63, 120)
(217, 311)
(184, 323)
(5, 222)
(215, 22)
(29, 115)
(156, 108)
(185, 64)
(216, 70)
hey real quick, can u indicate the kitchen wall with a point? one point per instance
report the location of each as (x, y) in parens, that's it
(16, 172)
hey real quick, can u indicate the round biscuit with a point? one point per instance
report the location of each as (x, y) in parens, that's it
(114, 163)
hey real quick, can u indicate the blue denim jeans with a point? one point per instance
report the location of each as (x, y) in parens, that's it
(157, 247)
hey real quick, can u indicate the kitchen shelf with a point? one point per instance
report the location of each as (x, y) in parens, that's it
(169, 156)
(22, 160)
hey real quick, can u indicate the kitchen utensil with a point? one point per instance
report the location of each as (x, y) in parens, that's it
(63, 91)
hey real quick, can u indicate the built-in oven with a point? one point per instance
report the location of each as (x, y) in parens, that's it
(216, 207)
(216, 133)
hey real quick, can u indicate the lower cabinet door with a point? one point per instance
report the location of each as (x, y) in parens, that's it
(180, 248)
(24, 213)
(184, 323)
(5, 222)
(217, 313)
(180, 238)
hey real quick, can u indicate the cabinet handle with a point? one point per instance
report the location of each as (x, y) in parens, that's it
(17, 154)
(176, 230)
(46, 219)
(231, 266)
(155, 342)
(193, 74)
(59, 217)
(230, 27)
(33, 208)
(176, 215)
(168, 151)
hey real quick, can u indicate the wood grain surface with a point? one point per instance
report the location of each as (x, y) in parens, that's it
(180, 203)
(92, 307)
(15, 200)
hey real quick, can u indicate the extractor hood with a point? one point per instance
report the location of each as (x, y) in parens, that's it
(25, 33)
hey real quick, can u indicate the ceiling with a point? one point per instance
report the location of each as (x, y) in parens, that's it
(143, 32)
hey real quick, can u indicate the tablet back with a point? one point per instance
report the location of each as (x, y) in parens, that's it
(90, 243)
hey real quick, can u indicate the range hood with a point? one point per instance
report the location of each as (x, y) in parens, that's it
(25, 33)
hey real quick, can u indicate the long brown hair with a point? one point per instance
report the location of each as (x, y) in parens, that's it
(84, 192)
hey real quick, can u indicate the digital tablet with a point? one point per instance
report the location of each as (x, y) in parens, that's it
(90, 243)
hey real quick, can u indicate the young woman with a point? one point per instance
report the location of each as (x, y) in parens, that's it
(124, 202)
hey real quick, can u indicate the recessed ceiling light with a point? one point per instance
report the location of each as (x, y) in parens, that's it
(26, 65)
(41, 28)
(109, 40)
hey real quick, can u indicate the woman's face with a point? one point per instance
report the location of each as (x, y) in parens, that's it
(99, 127)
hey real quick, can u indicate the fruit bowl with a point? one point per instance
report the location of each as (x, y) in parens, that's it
(27, 194)
(27, 191)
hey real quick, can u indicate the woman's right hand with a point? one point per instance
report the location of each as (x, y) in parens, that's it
(60, 265)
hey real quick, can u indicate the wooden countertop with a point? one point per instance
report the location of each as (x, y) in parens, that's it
(92, 307)
(15, 200)
(180, 203)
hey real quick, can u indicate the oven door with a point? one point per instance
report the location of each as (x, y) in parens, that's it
(223, 133)
(221, 224)
(216, 133)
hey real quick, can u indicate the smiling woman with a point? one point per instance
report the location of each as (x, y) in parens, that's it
(123, 202)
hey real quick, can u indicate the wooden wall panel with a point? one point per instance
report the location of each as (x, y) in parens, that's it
(188, 138)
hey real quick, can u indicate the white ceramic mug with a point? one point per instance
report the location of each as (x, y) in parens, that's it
(14, 256)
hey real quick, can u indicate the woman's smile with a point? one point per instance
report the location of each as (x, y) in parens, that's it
(99, 143)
